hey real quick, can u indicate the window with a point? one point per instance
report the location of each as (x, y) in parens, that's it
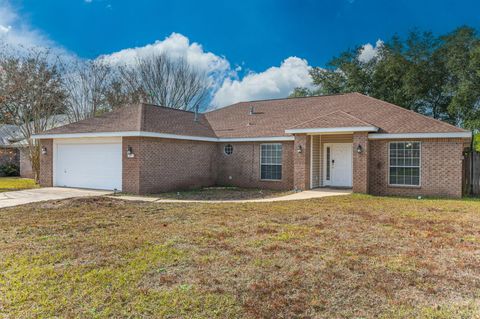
(228, 149)
(271, 161)
(328, 164)
(404, 160)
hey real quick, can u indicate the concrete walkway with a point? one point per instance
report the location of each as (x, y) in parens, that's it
(15, 198)
(314, 193)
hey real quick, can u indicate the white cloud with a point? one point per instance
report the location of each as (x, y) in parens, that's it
(16, 33)
(5, 29)
(368, 51)
(175, 45)
(275, 82)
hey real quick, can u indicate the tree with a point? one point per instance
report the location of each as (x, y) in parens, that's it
(461, 56)
(435, 76)
(166, 81)
(31, 92)
(88, 84)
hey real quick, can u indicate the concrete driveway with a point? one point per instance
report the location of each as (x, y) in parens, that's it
(15, 198)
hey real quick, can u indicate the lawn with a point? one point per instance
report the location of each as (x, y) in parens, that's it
(16, 183)
(337, 257)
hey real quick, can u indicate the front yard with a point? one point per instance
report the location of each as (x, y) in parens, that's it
(16, 183)
(337, 257)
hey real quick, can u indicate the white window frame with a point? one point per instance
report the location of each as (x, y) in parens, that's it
(281, 165)
(419, 166)
(225, 149)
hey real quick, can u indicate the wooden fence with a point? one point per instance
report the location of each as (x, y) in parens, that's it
(472, 181)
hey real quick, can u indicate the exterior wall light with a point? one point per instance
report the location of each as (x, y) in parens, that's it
(44, 150)
(299, 149)
(359, 148)
(130, 152)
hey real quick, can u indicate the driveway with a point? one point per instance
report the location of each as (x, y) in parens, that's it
(15, 198)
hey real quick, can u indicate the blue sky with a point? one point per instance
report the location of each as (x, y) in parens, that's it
(256, 35)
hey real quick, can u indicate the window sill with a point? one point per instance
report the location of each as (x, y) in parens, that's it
(404, 186)
(270, 180)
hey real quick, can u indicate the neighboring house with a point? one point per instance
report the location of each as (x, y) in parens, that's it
(14, 148)
(346, 140)
(8, 153)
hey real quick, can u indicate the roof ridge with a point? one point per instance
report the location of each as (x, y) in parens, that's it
(410, 111)
(339, 111)
(280, 99)
(166, 107)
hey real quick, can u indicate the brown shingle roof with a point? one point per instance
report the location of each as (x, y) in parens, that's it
(335, 119)
(142, 117)
(271, 118)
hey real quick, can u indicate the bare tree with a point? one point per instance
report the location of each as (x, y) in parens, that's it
(87, 84)
(166, 81)
(31, 93)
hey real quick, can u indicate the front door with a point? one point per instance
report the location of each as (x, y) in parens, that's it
(337, 159)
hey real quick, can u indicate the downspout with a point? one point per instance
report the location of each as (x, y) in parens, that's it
(471, 163)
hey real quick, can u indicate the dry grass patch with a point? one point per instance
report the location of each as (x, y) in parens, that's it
(336, 257)
(223, 193)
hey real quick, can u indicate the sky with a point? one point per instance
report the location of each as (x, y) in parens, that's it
(253, 49)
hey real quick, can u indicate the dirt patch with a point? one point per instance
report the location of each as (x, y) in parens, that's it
(223, 193)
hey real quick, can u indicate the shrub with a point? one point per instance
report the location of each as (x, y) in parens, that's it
(10, 170)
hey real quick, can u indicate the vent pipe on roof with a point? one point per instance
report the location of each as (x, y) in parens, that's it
(252, 110)
(195, 117)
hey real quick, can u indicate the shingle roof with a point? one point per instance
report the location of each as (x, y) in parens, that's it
(334, 119)
(141, 117)
(270, 118)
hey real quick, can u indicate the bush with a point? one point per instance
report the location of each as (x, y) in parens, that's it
(10, 170)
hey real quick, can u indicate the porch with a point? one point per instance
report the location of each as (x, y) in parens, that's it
(336, 160)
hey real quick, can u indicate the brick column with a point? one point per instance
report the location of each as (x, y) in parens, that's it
(301, 162)
(131, 165)
(46, 163)
(360, 163)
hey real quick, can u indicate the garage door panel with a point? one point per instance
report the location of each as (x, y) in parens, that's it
(89, 166)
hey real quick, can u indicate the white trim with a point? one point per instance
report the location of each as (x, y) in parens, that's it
(420, 135)
(260, 162)
(163, 135)
(311, 162)
(333, 130)
(419, 167)
(256, 139)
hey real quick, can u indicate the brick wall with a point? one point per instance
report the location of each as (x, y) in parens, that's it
(162, 165)
(131, 166)
(242, 168)
(26, 170)
(46, 164)
(441, 169)
(360, 163)
(301, 161)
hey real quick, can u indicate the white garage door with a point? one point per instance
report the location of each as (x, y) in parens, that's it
(89, 165)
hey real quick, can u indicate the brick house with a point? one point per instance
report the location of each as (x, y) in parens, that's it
(347, 140)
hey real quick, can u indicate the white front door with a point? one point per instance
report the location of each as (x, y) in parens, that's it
(338, 166)
(88, 164)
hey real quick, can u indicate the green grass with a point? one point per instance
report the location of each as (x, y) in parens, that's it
(353, 256)
(16, 183)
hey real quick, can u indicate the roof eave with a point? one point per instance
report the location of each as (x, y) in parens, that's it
(320, 130)
(380, 136)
